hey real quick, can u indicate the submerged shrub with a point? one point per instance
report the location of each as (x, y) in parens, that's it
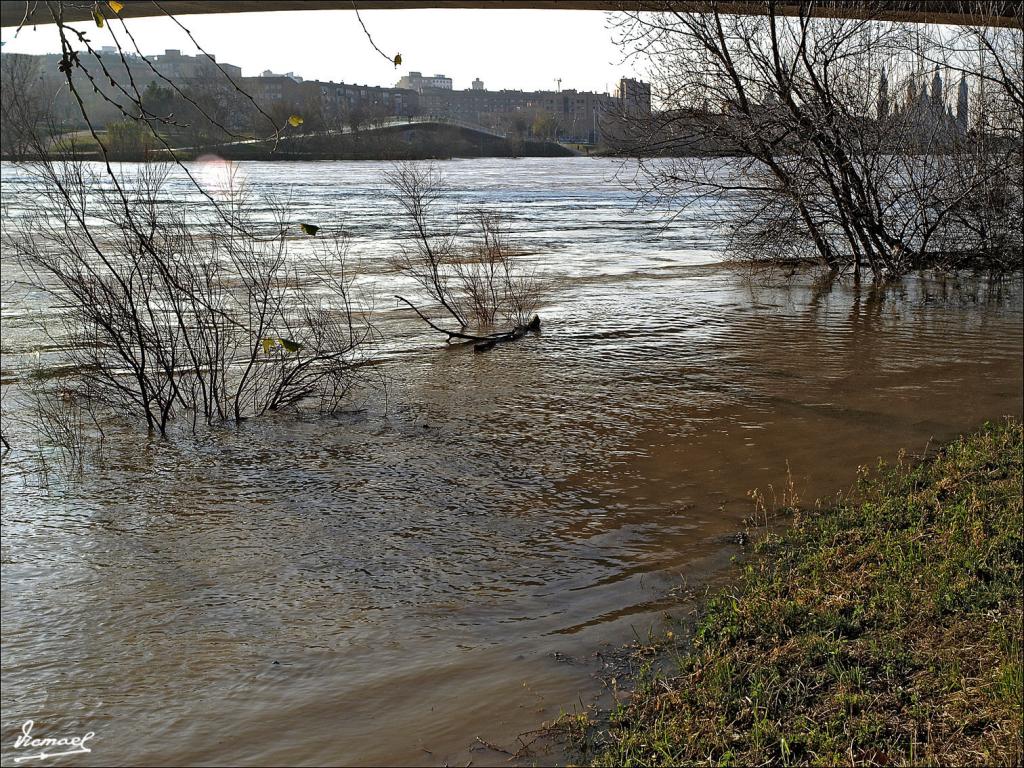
(168, 309)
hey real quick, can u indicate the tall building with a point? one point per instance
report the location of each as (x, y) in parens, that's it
(415, 81)
(441, 82)
(173, 65)
(339, 99)
(882, 109)
(962, 105)
(936, 94)
(926, 109)
(634, 95)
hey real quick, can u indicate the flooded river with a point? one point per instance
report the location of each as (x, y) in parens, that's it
(442, 564)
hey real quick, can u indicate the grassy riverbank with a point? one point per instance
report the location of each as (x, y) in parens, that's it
(884, 630)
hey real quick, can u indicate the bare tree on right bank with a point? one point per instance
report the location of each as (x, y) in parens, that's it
(859, 144)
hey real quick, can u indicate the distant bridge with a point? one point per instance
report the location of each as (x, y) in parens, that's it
(377, 126)
(396, 123)
(991, 12)
(391, 124)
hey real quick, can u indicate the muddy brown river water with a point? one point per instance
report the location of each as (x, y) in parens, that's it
(385, 586)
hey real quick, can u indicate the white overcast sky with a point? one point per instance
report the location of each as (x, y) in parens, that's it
(521, 49)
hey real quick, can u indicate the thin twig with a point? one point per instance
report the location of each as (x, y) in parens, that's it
(393, 60)
(451, 334)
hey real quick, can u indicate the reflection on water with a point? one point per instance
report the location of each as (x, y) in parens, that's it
(386, 586)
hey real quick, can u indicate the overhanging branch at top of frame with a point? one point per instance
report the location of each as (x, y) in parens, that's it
(983, 12)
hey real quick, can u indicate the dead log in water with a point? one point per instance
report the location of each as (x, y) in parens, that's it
(516, 333)
(484, 343)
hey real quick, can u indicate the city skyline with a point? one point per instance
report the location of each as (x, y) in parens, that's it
(507, 49)
(567, 114)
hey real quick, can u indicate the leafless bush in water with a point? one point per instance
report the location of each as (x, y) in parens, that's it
(478, 280)
(5, 444)
(58, 411)
(492, 284)
(846, 147)
(165, 313)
